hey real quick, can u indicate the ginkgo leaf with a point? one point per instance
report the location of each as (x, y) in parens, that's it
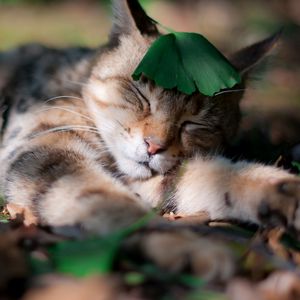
(187, 62)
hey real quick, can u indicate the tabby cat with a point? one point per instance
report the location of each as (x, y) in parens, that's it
(83, 144)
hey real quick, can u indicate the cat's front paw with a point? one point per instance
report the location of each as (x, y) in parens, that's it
(281, 204)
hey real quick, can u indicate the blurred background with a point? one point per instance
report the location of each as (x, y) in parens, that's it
(272, 103)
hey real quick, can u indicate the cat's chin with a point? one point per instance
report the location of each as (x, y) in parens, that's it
(134, 169)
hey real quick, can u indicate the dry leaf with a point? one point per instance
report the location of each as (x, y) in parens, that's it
(199, 218)
(13, 264)
(278, 286)
(273, 237)
(27, 215)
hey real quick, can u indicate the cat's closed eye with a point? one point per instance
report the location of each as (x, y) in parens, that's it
(135, 97)
(190, 126)
(142, 98)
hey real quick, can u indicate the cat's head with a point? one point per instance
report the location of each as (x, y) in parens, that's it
(146, 128)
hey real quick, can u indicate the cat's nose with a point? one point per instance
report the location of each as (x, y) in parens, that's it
(153, 147)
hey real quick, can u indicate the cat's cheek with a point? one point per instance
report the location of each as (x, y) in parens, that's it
(135, 149)
(161, 164)
(105, 93)
(133, 169)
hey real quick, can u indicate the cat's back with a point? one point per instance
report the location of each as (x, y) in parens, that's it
(34, 73)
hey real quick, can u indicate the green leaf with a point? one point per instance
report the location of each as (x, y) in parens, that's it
(134, 278)
(91, 256)
(152, 272)
(206, 295)
(81, 258)
(191, 280)
(39, 266)
(296, 165)
(188, 62)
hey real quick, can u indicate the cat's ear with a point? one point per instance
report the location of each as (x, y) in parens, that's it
(246, 59)
(129, 16)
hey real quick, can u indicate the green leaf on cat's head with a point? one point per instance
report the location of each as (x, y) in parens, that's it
(189, 63)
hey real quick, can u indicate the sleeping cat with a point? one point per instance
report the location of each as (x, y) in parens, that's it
(85, 144)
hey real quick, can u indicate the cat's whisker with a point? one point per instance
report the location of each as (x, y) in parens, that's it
(83, 127)
(66, 128)
(65, 108)
(63, 97)
(107, 127)
(76, 126)
(59, 130)
(76, 82)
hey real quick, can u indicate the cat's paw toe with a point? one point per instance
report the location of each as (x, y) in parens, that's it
(281, 204)
(178, 251)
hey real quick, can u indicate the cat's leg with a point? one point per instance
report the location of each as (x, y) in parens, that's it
(243, 191)
(225, 190)
(58, 179)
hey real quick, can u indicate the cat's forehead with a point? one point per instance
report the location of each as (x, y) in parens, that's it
(153, 91)
(122, 59)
